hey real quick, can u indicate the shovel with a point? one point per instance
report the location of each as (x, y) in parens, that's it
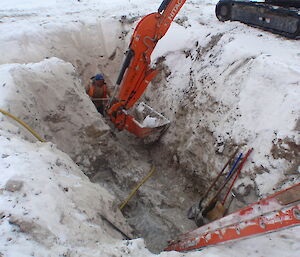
(195, 209)
(216, 209)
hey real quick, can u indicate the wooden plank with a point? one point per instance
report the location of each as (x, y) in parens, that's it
(290, 196)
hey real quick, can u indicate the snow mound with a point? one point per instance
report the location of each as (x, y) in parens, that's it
(46, 196)
(43, 95)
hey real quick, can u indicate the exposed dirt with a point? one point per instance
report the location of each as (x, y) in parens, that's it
(289, 150)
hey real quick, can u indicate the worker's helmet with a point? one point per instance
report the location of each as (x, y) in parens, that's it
(99, 77)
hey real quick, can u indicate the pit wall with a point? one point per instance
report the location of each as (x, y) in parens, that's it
(90, 47)
(219, 93)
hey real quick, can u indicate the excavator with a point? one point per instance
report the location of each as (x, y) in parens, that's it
(136, 73)
(277, 16)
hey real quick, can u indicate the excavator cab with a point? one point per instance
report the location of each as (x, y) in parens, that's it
(136, 73)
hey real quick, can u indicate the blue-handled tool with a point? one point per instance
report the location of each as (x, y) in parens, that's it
(234, 165)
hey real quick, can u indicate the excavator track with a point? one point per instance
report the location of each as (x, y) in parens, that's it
(278, 211)
(274, 16)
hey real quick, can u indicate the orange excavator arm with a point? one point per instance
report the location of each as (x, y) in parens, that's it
(136, 74)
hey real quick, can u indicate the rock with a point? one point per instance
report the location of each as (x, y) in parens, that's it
(94, 132)
(13, 185)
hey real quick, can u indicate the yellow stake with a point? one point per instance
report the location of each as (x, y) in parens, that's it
(23, 124)
(137, 187)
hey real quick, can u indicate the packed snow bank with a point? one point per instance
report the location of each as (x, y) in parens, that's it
(43, 95)
(45, 196)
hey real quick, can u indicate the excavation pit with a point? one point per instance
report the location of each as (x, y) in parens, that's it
(206, 125)
(56, 105)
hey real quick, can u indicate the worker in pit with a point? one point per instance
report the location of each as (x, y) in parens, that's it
(98, 92)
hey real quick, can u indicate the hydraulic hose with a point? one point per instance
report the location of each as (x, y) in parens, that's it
(23, 124)
(163, 5)
(125, 65)
(137, 187)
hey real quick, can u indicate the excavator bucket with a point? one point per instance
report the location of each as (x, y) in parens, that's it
(143, 121)
(150, 123)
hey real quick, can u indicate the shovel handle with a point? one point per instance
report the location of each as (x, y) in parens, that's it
(216, 179)
(125, 65)
(237, 174)
(99, 99)
(234, 165)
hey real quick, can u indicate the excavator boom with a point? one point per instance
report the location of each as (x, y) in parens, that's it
(144, 39)
(136, 73)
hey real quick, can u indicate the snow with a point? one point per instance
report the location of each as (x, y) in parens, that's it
(51, 205)
(150, 122)
(54, 210)
(148, 117)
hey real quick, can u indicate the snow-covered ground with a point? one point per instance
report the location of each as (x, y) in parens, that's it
(221, 84)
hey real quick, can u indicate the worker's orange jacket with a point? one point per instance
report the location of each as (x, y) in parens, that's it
(97, 92)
